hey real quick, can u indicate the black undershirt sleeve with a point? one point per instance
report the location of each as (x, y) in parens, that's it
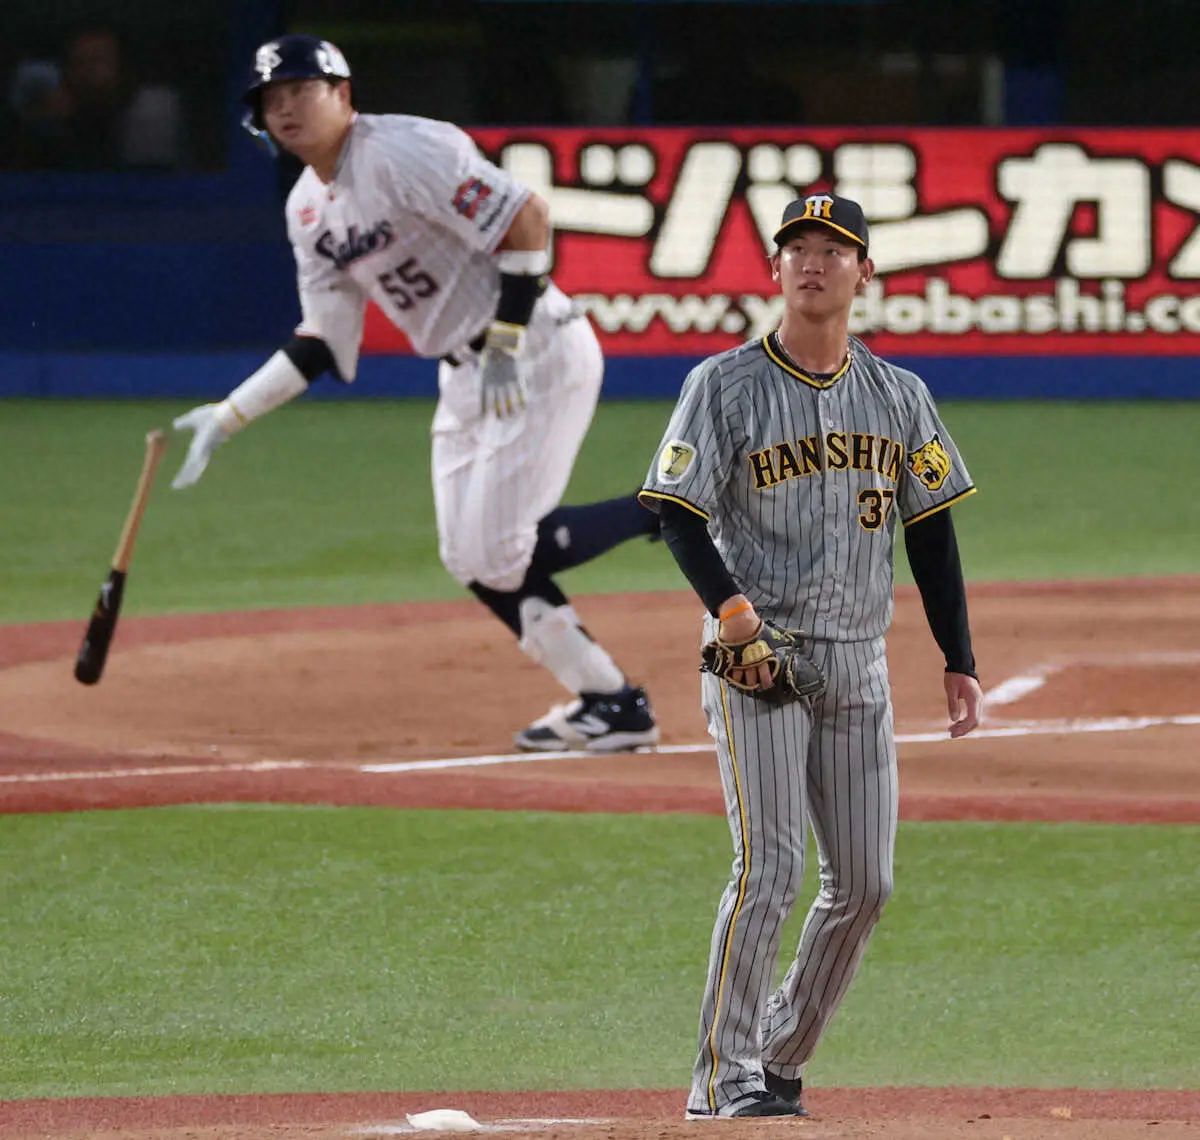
(933, 555)
(519, 293)
(687, 538)
(311, 356)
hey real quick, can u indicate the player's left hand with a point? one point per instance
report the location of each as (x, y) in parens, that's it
(209, 435)
(501, 380)
(964, 703)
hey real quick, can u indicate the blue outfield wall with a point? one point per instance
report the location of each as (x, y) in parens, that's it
(204, 376)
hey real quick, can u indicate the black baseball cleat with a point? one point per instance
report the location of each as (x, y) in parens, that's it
(595, 722)
(753, 1104)
(786, 1088)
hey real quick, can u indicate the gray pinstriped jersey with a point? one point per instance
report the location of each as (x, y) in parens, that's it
(801, 480)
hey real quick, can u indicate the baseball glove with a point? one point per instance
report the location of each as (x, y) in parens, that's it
(785, 652)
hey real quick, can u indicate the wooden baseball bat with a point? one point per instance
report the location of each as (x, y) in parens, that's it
(93, 652)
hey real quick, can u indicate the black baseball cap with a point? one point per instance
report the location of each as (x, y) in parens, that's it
(841, 214)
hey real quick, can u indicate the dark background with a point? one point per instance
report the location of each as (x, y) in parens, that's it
(186, 251)
(934, 62)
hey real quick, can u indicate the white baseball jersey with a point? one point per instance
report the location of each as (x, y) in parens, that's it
(410, 221)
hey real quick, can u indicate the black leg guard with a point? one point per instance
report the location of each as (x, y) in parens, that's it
(506, 605)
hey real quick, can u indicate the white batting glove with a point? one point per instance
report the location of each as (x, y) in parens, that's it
(501, 381)
(208, 436)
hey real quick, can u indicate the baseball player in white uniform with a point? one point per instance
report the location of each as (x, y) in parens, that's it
(780, 479)
(406, 212)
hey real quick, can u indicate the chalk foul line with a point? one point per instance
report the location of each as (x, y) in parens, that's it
(1006, 729)
(143, 773)
(1012, 689)
(995, 731)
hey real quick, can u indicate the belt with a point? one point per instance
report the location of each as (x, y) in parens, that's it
(475, 346)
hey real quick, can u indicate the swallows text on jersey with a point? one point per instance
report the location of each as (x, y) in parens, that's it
(356, 244)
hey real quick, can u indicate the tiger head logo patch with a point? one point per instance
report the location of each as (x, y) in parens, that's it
(931, 464)
(674, 460)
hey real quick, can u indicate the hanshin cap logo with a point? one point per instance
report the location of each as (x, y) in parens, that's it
(841, 214)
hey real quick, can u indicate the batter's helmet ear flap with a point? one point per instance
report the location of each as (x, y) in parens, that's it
(260, 134)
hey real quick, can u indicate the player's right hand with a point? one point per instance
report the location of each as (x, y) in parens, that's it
(501, 382)
(207, 438)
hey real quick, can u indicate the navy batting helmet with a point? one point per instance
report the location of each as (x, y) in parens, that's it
(290, 57)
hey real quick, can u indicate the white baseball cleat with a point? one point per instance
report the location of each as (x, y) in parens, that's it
(594, 722)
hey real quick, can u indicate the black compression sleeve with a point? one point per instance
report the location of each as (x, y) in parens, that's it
(932, 553)
(519, 293)
(311, 356)
(686, 535)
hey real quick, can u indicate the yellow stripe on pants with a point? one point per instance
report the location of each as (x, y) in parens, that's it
(741, 897)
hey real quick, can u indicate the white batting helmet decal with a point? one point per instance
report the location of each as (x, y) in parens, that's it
(267, 59)
(331, 61)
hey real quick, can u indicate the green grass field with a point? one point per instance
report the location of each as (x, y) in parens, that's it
(244, 948)
(252, 948)
(330, 503)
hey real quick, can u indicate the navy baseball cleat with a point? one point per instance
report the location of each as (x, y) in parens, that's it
(786, 1088)
(595, 722)
(752, 1104)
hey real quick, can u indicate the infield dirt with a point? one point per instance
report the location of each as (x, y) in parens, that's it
(1096, 717)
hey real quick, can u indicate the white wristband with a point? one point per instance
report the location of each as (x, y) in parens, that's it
(275, 383)
(528, 261)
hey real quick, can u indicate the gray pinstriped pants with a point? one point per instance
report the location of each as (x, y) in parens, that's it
(836, 766)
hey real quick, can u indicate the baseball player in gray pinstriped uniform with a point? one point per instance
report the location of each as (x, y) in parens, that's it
(779, 480)
(406, 212)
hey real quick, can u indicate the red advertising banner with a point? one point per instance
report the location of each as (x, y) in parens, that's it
(1037, 242)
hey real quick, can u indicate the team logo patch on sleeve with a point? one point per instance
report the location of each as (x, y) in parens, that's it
(931, 464)
(674, 460)
(470, 196)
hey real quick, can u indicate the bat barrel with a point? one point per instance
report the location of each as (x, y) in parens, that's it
(93, 652)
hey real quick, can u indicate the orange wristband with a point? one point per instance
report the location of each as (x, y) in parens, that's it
(740, 608)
